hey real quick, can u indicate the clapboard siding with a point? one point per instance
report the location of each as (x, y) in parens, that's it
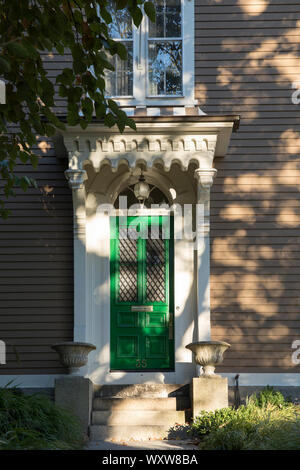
(36, 269)
(246, 60)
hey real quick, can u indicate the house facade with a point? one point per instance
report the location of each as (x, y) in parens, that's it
(212, 87)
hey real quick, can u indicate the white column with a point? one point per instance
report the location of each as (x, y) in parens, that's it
(205, 180)
(76, 178)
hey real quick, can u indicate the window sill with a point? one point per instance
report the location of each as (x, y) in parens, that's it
(155, 101)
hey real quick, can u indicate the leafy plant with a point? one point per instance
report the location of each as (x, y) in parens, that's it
(34, 422)
(209, 421)
(27, 31)
(267, 421)
(269, 396)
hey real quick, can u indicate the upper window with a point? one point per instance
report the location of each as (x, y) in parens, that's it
(160, 60)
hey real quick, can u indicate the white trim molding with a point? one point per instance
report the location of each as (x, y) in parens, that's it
(205, 179)
(76, 178)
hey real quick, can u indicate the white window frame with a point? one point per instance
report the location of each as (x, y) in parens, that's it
(140, 65)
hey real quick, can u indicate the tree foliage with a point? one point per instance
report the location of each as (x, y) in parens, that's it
(29, 28)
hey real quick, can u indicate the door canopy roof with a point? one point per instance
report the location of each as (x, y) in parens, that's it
(158, 141)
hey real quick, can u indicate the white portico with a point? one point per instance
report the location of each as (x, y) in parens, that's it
(176, 156)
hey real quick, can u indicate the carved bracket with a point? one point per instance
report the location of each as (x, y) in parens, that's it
(76, 178)
(205, 179)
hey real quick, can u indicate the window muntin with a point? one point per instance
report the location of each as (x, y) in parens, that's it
(151, 80)
(165, 50)
(120, 81)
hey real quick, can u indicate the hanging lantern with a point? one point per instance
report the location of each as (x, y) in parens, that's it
(141, 190)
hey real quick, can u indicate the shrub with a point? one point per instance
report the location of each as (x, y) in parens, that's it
(34, 422)
(209, 421)
(269, 396)
(266, 422)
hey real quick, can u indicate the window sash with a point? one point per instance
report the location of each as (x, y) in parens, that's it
(119, 83)
(165, 70)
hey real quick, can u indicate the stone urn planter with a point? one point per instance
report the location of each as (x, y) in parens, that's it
(73, 355)
(208, 354)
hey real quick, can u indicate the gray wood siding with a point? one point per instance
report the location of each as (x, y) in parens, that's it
(36, 270)
(247, 57)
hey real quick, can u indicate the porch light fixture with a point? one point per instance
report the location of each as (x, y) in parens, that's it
(141, 189)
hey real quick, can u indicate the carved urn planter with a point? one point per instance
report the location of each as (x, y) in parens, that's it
(208, 354)
(73, 355)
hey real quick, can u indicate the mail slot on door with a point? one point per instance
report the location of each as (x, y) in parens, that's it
(142, 308)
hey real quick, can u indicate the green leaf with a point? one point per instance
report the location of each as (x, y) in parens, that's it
(113, 106)
(131, 124)
(47, 94)
(18, 50)
(4, 65)
(121, 4)
(109, 120)
(105, 15)
(87, 108)
(101, 86)
(121, 51)
(121, 126)
(150, 11)
(83, 123)
(50, 130)
(23, 182)
(31, 50)
(100, 110)
(34, 160)
(72, 118)
(53, 118)
(137, 15)
(66, 77)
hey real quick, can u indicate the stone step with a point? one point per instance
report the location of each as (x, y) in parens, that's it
(138, 418)
(119, 433)
(154, 404)
(141, 391)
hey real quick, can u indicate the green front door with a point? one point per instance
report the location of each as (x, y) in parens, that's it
(141, 274)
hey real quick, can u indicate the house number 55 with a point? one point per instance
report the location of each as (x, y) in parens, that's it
(141, 363)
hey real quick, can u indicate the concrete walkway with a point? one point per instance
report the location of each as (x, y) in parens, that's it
(142, 445)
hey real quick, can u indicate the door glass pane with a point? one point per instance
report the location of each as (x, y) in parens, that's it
(155, 268)
(128, 268)
(165, 55)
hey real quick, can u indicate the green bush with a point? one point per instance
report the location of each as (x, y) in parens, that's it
(209, 421)
(266, 422)
(269, 396)
(34, 422)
